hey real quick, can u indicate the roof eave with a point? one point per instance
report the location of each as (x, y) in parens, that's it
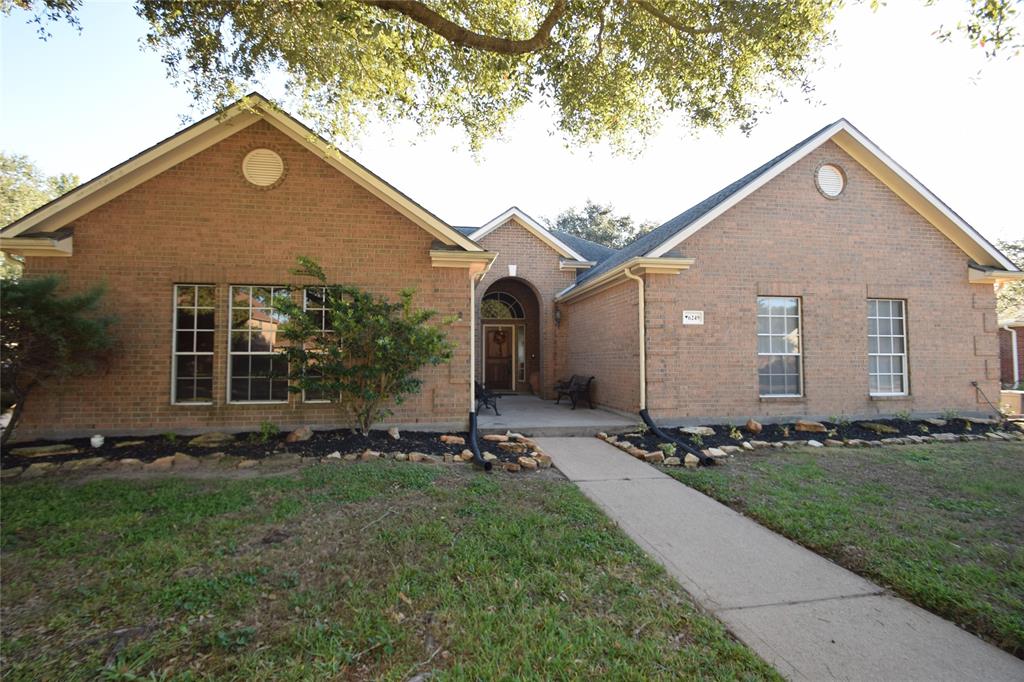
(638, 265)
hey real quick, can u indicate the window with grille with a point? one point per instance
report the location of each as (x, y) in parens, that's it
(194, 317)
(887, 347)
(256, 370)
(779, 347)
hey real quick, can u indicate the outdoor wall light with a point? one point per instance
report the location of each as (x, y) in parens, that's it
(558, 317)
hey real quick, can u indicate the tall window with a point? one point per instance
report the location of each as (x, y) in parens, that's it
(194, 308)
(314, 302)
(778, 347)
(498, 305)
(887, 347)
(256, 372)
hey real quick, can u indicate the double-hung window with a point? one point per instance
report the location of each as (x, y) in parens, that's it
(256, 370)
(779, 347)
(887, 347)
(314, 302)
(194, 312)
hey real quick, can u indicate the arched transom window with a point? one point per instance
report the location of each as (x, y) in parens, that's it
(498, 305)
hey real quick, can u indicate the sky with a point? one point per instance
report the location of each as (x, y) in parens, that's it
(84, 102)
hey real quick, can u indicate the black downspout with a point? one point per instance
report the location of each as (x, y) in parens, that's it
(704, 459)
(478, 459)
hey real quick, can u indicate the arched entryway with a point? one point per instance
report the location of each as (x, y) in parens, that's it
(510, 332)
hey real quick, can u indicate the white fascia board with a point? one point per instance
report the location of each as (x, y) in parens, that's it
(530, 224)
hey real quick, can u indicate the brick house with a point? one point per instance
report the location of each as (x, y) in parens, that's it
(828, 281)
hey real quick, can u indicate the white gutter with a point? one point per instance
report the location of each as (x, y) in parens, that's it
(1016, 354)
(628, 272)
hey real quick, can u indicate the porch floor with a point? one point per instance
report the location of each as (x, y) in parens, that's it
(533, 416)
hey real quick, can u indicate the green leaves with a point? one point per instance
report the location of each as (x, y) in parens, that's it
(364, 352)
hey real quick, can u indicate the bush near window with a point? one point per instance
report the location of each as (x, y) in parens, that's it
(46, 337)
(366, 355)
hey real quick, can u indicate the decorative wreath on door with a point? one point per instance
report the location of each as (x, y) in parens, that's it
(500, 337)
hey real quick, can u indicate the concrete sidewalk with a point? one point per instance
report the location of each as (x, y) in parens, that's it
(807, 616)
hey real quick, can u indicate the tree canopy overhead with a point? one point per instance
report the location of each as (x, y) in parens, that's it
(598, 223)
(609, 70)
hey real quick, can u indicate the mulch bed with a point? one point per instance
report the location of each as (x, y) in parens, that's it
(774, 433)
(248, 446)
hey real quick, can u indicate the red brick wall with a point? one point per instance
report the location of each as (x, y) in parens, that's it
(603, 341)
(201, 222)
(787, 239)
(537, 264)
(1006, 354)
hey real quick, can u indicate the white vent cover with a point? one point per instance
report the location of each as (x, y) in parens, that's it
(830, 180)
(262, 167)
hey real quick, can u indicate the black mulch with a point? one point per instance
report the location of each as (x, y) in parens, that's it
(772, 433)
(249, 446)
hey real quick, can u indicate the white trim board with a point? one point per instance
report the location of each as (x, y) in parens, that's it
(882, 166)
(532, 226)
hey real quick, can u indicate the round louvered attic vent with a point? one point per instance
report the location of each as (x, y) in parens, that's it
(830, 180)
(262, 167)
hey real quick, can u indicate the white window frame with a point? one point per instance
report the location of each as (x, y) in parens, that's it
(323, 327)
(799, 354)
(174, 342)
(902, 336)
(232, 353)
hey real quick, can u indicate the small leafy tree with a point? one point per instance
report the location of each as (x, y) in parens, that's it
(46, 337)
(360, 351)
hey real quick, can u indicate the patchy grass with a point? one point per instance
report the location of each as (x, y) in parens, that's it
(369, 571)
(942, 525)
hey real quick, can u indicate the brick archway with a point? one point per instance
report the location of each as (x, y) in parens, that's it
(510, 333)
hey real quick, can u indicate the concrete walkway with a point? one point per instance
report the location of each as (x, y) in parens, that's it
(808, 617)
(532, 415)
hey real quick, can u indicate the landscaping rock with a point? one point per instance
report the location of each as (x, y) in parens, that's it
(511, 467)
(299, 435)
(284, 459)
(691, 461)
(248, 463)
(129, 443)
(673, 461)
(350, 457)
(87, 463)
(489, 457)
(528, 463)
(892, 441)
(466, 456)
(815, 444)
(753, 426)
(809, 426)
(778, 444)
(611, 439)
(856, 443)
(10, 472)
(394, 434)
(983, 420)
(129, 463)
(731, 449)
(656, 457)
(515, 448)
(757, 444)
(746, 445)
(639, 453)
(212, 440)
(833, 443)
(38, 469)
(45, 450)
(496, 438)
(878, 428)
(992, 435)
(712, 452)
(401, 457)
(449, 439)
(935, 421)
(424, 458)
(161, 464)
(334, 455)
(369, 455)
(183, 461)
(698, 430)
(543, 461)
(945, 437)
(602, 435)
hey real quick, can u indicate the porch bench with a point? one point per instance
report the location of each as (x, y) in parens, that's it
(486, 398)
(574, 389)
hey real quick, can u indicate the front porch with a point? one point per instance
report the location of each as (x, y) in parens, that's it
(534, 416)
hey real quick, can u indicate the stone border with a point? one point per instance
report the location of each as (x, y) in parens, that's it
(727, 451)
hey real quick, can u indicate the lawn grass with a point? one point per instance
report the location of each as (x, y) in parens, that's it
(365, 571)
(942, 524)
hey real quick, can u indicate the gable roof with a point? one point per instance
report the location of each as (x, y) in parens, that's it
(590, 250)
(544, 234)
(664, 238)
(204, 134)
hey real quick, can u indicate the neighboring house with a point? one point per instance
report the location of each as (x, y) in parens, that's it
(826, 282)
(1011, 349)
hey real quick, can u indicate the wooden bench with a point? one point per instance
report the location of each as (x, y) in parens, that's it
(486, 398)
(574, 389)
